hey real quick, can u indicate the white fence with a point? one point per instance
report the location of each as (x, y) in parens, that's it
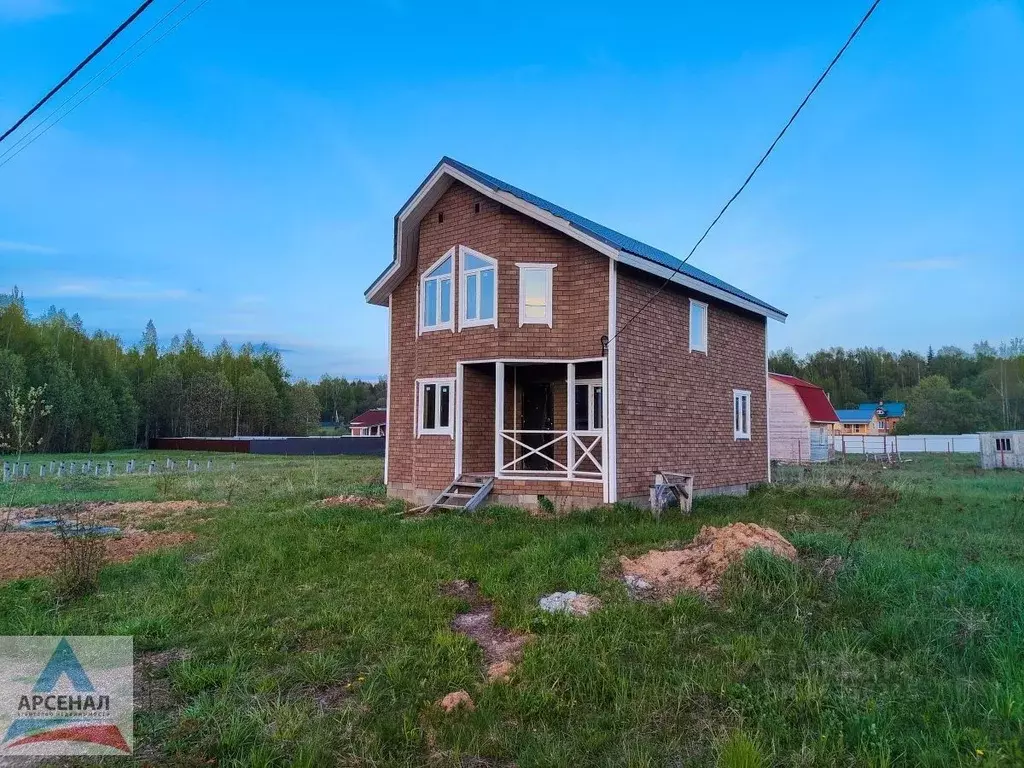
(857, 444)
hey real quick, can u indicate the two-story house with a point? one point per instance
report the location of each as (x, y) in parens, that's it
(543, 350)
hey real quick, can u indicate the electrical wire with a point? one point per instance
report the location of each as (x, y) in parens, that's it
(743, 186)
(26, 136)
(81, 65)
(92, 93)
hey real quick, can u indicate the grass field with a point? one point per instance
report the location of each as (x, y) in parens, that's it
(316, 636)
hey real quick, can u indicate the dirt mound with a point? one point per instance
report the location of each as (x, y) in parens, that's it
(700, 564)
(36, 554)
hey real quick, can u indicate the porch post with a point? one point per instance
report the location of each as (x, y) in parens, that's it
(459, 381)
(570, 423)
(499, 416)
(607, 443)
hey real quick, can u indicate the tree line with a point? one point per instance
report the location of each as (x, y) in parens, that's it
(81, 391)
(951, 391)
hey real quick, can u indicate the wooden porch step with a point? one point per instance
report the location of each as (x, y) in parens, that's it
(481, 484)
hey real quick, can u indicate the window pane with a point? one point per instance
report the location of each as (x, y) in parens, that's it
(744, 407)
(475, 262)
(535, 291)
(429, 404)
(698, 315)
(582, 406)
(598, 420)
(487, 294)
(430, 303)
(445, 406)
(444, 268)
(736, 413)
(471, 297)
(446, 300)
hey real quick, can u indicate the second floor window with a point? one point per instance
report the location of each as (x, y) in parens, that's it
(436, 295)
(478, 298)
(698, 326)
(535, 294)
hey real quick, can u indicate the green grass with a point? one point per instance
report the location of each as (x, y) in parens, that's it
(910, 655)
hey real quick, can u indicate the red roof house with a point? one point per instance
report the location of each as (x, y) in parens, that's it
(373, 423)
(800, 419)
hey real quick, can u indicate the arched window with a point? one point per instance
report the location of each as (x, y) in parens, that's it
(478, 296)
(436, 295)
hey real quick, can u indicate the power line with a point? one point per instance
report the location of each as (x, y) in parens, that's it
(67, 78)
(26, 137)
(93, 92)
(764, 157)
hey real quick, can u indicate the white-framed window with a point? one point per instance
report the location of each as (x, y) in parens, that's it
(478, 289)
(535, 288)
(741, 414)
(589, 416)
(1004, 445)
(436, 295)
(435, 406)
(698, 326)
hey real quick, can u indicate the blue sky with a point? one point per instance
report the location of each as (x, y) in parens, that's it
(241, 178)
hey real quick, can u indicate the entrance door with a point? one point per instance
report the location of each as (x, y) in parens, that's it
(538, 414)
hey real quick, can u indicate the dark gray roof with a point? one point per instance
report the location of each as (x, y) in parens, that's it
(609, 236)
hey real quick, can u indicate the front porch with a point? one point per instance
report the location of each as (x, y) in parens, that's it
(538, 426)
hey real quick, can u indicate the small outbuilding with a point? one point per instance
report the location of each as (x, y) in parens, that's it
(800, 420)
(1002, 450)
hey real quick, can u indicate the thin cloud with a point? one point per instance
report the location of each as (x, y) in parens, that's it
(928, 265)
(14, 247)
(29, 10)
(114, 290)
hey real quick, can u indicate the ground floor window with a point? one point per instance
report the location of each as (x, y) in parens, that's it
(1003, 444)
(435, 400)
(589, 406)
(741, 414)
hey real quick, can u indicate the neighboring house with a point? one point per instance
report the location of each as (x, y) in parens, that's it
(888, 414)
(857, 422)
(1002, 450)
(800, 420)
(504, 358)
(373, 423)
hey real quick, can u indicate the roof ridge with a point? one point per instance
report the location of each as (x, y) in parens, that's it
(610, 236)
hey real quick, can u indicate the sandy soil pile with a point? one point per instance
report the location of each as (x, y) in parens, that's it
(35, 554)
(700, 564)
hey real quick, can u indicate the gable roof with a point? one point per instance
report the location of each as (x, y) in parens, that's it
(371, 418)
(855, 416)
(892, 410)
(611, 243)
(818, 406)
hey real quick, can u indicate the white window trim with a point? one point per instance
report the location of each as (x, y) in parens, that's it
(464, 273)
(740, 434)
(421, 301)
(590, 384)
(549, 319)
(704, 335)
(442, 381)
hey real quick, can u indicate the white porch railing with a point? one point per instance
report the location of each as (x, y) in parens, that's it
(583, 457)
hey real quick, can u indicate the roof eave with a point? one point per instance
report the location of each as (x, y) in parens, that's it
(407, 223)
